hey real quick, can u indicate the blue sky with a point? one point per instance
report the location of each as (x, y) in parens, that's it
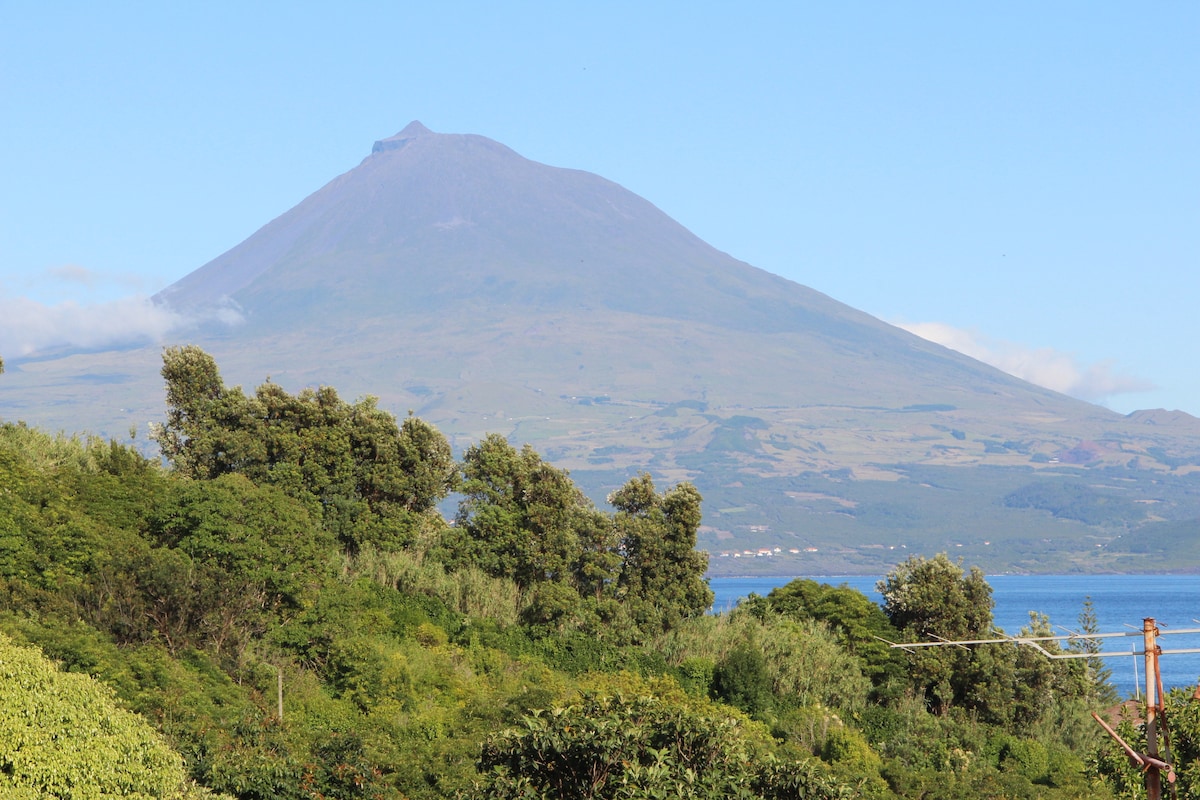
(1018, 180)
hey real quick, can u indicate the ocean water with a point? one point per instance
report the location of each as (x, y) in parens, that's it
(1121, 602)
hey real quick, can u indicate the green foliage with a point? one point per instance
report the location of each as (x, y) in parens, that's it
(1077, 501)
(65, 501)
(957, 755)
(809, 667)
(805, 663)
(1096, 676)
(367, 479)
(63, 736)
(297, 538)
(662, 576)
(931, 599)
(469, 590)
(226, 557)
(197, 414)
(1182, 724)
(861, 626)
(742, 680)
(852, 757)
(633, 575)
(927, 599)
(523, 519)
(640, 747)
(935, 596)
(695, 675)
(254, 536)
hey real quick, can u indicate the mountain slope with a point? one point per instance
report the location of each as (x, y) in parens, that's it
(457, 230)
(489, 293)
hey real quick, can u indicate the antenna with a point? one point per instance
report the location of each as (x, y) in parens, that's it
(1137, 689)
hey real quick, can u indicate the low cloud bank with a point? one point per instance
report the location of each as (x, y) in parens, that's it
(28, 326)
(1044, 366)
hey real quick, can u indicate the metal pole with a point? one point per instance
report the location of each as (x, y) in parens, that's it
(1150, 646)
(1137, 689)
(279, 685)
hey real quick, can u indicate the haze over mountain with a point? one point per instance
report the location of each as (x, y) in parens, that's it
(487, 292)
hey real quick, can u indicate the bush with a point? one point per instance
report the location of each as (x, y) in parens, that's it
(62, 735)
(641, 747)
(741, 679)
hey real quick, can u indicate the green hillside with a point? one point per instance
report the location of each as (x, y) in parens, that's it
(288, 610)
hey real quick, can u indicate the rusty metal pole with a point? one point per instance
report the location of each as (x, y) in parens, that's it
(1150, 647)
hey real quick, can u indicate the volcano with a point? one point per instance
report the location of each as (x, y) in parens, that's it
(434, 236)
(454, 278)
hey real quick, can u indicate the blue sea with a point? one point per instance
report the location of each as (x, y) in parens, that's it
(1120, 601)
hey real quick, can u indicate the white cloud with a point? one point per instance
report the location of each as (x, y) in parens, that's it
(27, 326)
(1044, 366)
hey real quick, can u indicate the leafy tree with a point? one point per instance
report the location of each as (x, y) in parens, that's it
(519, 514)
(523, 519)
(742, 680)
(662, 576)
(231, 557)
(933, 598)
(1016, 687)
(199, 414)
(1037, 682)
(368, 479)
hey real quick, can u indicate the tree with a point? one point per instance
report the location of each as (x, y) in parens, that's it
(366, 478)
(1097, 676)
(524, 519)
(231, 557)
(742, 680)
(662, 575)
(518, 513)
(928, 599)
(200, 413)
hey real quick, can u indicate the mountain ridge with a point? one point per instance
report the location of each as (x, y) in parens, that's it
(449, 275)
(739, 296)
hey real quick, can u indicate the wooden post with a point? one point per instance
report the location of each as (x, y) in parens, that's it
(1150, 647)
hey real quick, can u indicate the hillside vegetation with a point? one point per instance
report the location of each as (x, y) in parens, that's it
(283, 612)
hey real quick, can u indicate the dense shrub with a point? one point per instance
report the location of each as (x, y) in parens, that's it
(63, 736)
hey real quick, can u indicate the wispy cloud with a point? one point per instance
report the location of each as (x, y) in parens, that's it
(28, 326)
(73, 273)
(78, 283)
(1044, 366)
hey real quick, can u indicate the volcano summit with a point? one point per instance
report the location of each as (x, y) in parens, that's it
(486, 292)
